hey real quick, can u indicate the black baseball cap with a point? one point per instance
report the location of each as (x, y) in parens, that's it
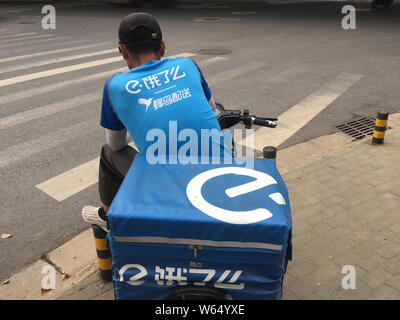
(137, 27)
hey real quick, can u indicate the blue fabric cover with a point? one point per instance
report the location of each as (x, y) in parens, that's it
(152, 225)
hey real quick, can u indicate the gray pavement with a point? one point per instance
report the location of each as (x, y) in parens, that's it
(299, 48)
(346, 211)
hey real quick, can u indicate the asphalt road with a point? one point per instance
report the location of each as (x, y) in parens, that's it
(277, 55)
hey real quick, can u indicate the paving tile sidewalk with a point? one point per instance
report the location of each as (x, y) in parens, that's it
(346, 211)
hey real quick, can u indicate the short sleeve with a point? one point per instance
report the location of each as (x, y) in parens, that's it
(109, 119)
(204, 84)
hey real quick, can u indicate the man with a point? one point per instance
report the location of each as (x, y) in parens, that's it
(152, 94)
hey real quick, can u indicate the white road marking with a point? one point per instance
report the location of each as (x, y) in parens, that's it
(53, 139)
(13, 97)
(207, 62)
(48, 52)
(29, 115)
(57, 60)
(182, 55)
(72, 181)
(53, 72)
(3, 37)
(287, 75)
(303, 112)
(25, 38)
(29, 41)
(232, 73)
(56, 71)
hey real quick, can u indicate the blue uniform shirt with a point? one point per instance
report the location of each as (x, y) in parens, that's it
(156, 94)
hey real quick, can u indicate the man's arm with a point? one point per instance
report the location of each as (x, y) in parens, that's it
(212, 104)
(117, 140)
(116, 133)
(206, 88)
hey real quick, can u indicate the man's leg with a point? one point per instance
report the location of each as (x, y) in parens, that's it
(113, 167)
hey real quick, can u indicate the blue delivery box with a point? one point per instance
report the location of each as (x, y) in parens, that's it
(218, 225)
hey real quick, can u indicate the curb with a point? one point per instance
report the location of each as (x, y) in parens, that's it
(76, 260)
(73, 262)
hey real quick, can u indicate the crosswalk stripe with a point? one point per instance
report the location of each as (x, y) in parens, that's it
(29, 41)
(56, 71)
(29, 115)
(303, 112)
(207, 62)
(232, 73)
(48, 52)
(287, 75)
(53, 72)
(25, 38)
(57, 60)
(182, 55)
(2, 37)
(26, 149)
(13, 97)
(73, 181)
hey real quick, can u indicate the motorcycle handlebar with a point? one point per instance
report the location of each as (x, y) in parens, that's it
(263, 122)
(229, 118)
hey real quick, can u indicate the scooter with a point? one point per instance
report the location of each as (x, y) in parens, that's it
(192, 290)
(227, 119)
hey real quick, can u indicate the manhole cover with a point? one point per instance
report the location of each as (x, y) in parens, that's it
(216, 19)
(359, 128)
(215, 51)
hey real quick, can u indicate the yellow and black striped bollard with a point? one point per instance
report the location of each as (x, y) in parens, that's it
(380, 127)
(269, 153)
(103, 254)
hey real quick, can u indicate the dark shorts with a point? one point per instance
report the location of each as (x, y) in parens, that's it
(113, 167)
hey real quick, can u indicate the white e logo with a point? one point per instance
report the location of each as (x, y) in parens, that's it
(134, 280)
(193, 192)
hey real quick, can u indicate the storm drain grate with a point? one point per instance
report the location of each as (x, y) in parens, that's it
(359, 128)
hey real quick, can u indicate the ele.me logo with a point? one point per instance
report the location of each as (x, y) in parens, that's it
(194, 194)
